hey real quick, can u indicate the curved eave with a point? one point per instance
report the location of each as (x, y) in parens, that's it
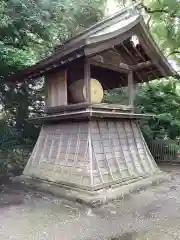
(98, 27)
(136, 27)
(48, 64)
(154, 51)
(115, 31)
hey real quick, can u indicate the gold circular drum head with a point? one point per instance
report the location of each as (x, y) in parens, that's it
(96, 91)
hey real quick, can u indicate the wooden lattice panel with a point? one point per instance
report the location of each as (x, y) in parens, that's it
(61, 154)
(91, 154)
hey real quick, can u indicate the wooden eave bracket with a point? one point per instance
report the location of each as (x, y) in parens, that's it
(122, 67)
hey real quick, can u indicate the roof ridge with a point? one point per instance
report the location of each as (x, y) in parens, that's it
(122, 12)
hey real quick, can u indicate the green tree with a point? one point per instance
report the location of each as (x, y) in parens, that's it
(162, 99)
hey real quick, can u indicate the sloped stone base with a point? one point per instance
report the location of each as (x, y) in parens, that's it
(95, 198)
(91, 155)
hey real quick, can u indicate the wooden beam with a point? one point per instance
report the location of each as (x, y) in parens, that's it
(66, 108)
(122, 68)
(113, 58)
(87, 77)
(141, 65)
(116, 55)
(127, 57)
(46, 92)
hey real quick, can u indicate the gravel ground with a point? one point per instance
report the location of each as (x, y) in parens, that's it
(150, 214)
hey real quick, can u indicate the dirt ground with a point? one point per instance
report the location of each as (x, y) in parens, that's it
(150, 214)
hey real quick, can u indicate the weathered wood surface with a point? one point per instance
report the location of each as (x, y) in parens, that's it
(100, 106)
(91, 154)
(119, 68)
(141, 65)
(70, 107)
(112, 106)
(87, 78)
(111, 60)
(57, 89)
(89, 113)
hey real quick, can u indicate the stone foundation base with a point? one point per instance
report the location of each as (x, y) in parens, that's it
(91, 154)
(98, 197)
(91, 161)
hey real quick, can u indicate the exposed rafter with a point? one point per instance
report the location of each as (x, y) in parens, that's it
(122, 68)
(142, 65)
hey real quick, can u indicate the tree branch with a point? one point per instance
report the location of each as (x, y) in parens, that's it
(174, 52)
(151, 11)
(148, 22)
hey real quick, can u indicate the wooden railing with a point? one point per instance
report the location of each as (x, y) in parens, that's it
(165, 150)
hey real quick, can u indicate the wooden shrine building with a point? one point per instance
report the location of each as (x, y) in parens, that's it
(88, 149)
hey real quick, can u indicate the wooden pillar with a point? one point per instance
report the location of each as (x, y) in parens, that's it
(46, 93)
(87, 77)
(131, 89)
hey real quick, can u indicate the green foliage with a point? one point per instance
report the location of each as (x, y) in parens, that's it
(116, 96)
(161, 98)
(12, 155)
(165, 25)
